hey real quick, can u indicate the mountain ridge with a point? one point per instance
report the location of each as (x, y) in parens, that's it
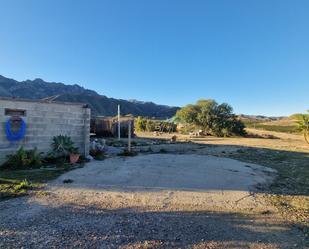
(99, 104)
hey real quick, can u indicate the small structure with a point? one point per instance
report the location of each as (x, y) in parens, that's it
(39, 121)
(108, 126)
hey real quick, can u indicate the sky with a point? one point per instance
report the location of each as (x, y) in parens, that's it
(252, 54)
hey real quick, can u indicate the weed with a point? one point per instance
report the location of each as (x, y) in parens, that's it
(127, 153)
(281, 157)
(23, 186)
(43, 193)
(23, 159)
(97, 154)
(66, 181)
(290, 188)
(33, 179)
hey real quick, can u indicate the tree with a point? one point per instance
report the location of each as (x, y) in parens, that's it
(140, 124)
(188, 114)
(150, 125)
(303, 125)
(212, 118)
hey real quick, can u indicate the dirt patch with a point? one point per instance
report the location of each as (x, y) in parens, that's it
(150, 201)
(189, 179)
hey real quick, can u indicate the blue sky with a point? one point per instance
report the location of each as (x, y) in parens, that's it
(253, 54)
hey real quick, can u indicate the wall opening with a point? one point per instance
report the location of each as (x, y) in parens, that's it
(14, 112)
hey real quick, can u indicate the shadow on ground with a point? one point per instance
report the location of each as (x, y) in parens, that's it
(32, 225)
(92, 227)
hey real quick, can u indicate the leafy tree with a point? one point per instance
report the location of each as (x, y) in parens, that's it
(303, 125)
(188, 114)
(212, 118)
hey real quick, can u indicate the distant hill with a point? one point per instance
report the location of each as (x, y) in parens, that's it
(259, 118)
(99, 104)
(278, 124)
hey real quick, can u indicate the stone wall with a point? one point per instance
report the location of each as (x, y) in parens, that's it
(44, 121)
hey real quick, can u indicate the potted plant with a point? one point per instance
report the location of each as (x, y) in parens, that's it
(63, 146)
(74, 155)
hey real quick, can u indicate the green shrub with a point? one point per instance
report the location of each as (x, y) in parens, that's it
(23, 186)
(24, 159)
(62, 146)
(303, 126)
(51, 159)
(97, 154)
(143, 124)
(97, 149)
(150, 125)
(212, 118)
(140, 124)
(185, 129)
(35, 158)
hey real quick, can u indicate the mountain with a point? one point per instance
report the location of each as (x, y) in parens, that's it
(99, 104)
(259, 118)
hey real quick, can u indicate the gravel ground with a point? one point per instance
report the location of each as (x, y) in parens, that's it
(85, 215)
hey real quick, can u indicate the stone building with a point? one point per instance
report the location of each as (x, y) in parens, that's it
(44, 120)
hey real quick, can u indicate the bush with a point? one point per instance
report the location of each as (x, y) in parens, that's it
(24, 159)
(63, 146)
(140, 124)
(150, 125)
(212, 118)
(125, 152)
(23, 186)
(143, 124)
(303, 126)
(97, 149)
(97, 154)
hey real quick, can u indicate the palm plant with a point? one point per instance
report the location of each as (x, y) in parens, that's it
(63, 146)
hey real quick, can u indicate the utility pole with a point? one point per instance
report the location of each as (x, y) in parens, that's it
(129, 136)
(118, 122)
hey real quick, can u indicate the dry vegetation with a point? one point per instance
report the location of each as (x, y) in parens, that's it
(287, 153)
(286, 125)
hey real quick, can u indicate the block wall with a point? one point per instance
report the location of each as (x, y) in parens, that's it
(44, 121)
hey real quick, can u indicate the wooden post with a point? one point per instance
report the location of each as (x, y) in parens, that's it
(118, 122)
(129, 136)
(87, 116)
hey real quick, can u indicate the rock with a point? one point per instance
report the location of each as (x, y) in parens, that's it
(113, 150)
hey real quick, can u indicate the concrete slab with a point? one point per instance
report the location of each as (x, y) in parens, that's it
(173, 172)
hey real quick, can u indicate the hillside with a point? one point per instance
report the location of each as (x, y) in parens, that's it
(278, 124)
(99, 104)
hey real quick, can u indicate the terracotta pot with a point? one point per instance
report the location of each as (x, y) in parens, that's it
(74, 158)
